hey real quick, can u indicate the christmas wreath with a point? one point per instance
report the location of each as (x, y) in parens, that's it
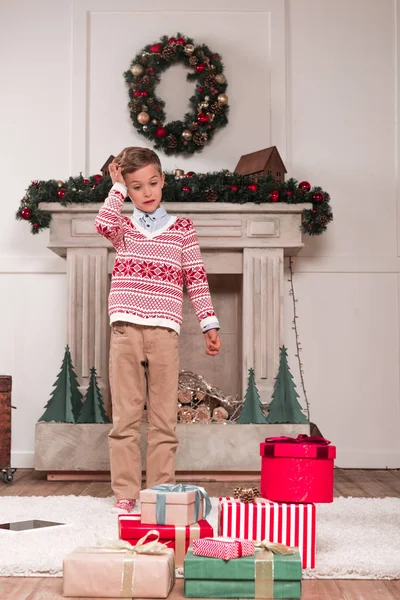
(209, 102)
(220, 186)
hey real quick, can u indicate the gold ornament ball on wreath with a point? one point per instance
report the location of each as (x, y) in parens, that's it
(188, 49)
(143, 118)
(187, 134)
(222, 98)
(137, 70)
(220, 78)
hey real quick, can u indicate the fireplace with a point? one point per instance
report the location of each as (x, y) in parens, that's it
(243, 248)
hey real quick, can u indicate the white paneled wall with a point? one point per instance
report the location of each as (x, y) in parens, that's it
(315, 77)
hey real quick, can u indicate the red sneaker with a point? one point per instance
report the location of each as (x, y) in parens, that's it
(125, 505)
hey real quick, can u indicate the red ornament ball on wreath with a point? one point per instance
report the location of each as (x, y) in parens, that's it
(234, 188)
(137, 94)
(98, 177)
(190, 174)
(36, 225)
(180, 41)
(252, 187)
(61, 193)
(318, 197)
(161, 132)
(85, 181)
(156, 48)
(202, 118)
(172, 40)
(200, 68)
(305, 186)
(274, 195)
(186, 189)
(26, 213)
(289, 193)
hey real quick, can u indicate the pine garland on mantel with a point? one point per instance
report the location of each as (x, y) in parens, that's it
(221, 186)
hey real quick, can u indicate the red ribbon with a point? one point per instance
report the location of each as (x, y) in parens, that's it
(301, 439)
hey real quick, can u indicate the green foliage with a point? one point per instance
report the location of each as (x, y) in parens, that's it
(251, 411)
(226, 187)
(285, 407)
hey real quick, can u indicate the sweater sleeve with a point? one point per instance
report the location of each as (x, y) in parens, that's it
(195, 277)
(109, 219)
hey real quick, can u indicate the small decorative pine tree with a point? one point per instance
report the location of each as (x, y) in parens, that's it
(251, 411)
(93, 410)
(66, 400)
(285, 407)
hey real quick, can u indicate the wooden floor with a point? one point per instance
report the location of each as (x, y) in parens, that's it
(356, 483)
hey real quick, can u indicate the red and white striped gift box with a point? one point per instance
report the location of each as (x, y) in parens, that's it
(289, 524)
(222, 547)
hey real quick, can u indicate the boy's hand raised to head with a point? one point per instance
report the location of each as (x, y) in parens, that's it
(213, 342)
(115, 173)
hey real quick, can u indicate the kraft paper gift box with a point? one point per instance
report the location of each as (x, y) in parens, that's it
(120, 572)
(174, 504)
(178, 537)
(297, 469)
(263, 575)
(290, 524)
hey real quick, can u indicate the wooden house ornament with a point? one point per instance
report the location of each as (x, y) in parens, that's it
(262, 162)
(105, 171)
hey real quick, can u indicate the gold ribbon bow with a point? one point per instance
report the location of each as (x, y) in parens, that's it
(264, 566)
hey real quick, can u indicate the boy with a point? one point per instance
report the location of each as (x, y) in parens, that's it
(155, 254)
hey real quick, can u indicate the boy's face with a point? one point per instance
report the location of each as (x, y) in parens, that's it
(145, 188)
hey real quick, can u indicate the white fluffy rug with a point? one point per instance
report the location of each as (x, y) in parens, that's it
(357, 538)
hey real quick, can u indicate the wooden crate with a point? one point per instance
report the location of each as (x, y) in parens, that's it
(5, 421)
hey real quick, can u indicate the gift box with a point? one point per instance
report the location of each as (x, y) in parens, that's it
(290, 524)
(262, 575)
(297, 469)
(119, 571)
(177, 537)
(221, 547)
(177, 504)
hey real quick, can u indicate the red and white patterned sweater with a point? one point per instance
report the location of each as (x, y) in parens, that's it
(150, 268)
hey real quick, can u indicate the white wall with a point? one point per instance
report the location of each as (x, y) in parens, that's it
(315, 77)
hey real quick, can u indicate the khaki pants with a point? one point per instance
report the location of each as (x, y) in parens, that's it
(130, 347)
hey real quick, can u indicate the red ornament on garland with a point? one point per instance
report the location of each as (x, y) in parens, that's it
(85, 181)
(190, 174)
(26, 213)
(36, 225)
(200, 68)
(289, 193)
(201, 90)
(234, 188)
(172, 40)
(305, 186)
(98, 177)
(252, 187)
(274, 195)
(61, 193)
(318, 197)
(156, 48)
(137, 94)
(144, 94)
(202, 118)
(180, 41)
(161, 132)
(186, 188)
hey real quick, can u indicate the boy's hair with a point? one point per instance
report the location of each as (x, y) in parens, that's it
(133, 158)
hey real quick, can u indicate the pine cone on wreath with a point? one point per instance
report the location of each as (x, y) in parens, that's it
(168, 52)
(217, 108)
(210, 80)
(199, 138)
(145, 81)
(172, 142)
(211, 195)
(136, 106)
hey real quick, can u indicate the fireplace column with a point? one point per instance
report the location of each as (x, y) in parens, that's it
(262, 316)
(87, 314)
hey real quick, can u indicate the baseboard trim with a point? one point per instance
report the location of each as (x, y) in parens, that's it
(208, 476)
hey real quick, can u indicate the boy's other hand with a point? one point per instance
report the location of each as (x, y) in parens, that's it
(213, 342)
(115, 173)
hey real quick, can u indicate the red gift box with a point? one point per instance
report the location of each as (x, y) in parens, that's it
(297, 469)
(289, 524)
(225, 548)
(178, 537)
